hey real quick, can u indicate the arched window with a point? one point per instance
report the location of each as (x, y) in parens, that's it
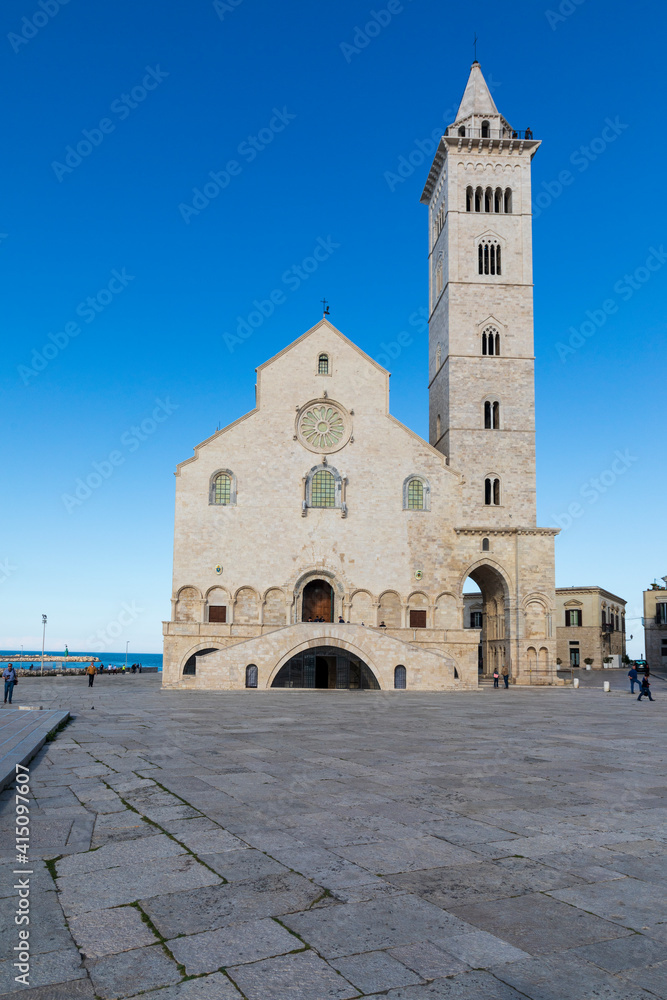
(323, 490)
(438, 428)
(469, 199)
(486, 129)
(323, 364)
(438, 276)
(462, 130)
(251, 676)
(416, 493)
(222, 488)
(485, 545)
(487, 416)
(498, 200)
(488, 257)
(437, 358)
(478, 199)
(400, 678)
(508, 201)
(496, 416)
(488, 200)
(490, 341)
(492, 492)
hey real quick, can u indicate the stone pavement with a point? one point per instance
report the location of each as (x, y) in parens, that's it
(286, 845)
(22, 734)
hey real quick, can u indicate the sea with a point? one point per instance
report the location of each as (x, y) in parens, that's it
(59, 660)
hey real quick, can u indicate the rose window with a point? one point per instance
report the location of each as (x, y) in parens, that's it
(322, 427)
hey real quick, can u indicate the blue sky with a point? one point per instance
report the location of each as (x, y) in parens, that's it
(305, 122)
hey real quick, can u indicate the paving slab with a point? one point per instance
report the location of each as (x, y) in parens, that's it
(292, 977)
(78, 989)
(538, 924)
(548, 978)
(216, 987)
(375, 970)
(108, 932)
(427, 960)
(628, 901)
(117, 976)
(233, 945)
(465, 986)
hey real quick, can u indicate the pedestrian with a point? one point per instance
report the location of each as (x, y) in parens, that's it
(634, 679)
(341, 620)
(646, 689)
(496, 678)
(382, 625)
(139, 668)
(506, 677)
(91, 674)
(11, 680)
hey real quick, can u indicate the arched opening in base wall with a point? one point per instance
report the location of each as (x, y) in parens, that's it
(191, 663)
(317, 601)
(485, 604)
(326, 667)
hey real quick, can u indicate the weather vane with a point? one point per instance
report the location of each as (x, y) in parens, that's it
(325, 308)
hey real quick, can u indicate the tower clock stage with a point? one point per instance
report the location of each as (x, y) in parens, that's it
(319, 542)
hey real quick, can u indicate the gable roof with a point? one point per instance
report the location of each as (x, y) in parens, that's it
(309, 333)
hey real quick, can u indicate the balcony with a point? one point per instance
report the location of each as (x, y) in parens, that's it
(489, 133)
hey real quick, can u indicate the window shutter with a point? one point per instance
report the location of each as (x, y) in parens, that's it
(417, 619)
(568, 617)
(217, 614)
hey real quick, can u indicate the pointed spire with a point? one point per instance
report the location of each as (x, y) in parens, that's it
(477, 98)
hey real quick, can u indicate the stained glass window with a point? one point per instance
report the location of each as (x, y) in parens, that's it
(323, 490)
(415, 495)
(223, 489)
(323, 364)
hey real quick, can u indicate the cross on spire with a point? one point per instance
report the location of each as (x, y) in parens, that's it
(325, 308)
(475, 46)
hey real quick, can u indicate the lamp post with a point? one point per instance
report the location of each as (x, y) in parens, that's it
(126, 645)
(41, 673)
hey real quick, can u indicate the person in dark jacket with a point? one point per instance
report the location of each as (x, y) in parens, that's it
(634, 679)
(646, 689)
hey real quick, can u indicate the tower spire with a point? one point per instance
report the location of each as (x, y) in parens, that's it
(477, 98)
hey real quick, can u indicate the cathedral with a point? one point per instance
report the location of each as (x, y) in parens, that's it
(320, 543)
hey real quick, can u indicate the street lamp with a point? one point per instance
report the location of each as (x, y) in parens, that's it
(126, 645)
(43, 637)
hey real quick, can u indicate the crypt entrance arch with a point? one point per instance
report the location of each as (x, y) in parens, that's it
(318, 593)
(328, 667)
(488, 610)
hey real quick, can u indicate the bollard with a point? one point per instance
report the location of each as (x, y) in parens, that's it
(607, 687)
(575, 682)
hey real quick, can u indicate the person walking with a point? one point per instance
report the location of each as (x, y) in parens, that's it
(634, 679)
(506, 677)
(91, 674)
(496, 678)
(10, 679)
(646, 689)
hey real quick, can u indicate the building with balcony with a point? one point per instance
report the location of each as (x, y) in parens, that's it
(590, 623)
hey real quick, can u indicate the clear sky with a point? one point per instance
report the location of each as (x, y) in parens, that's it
(123, 288)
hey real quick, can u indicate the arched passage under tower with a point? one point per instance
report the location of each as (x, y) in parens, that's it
(486, 607)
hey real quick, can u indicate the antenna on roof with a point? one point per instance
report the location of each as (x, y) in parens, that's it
(325, 308)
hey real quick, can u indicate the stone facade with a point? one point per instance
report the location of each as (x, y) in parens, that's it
(590, 623)
(320, 504)
(655, 626)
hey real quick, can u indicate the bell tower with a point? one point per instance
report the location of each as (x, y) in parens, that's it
(481, 362)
